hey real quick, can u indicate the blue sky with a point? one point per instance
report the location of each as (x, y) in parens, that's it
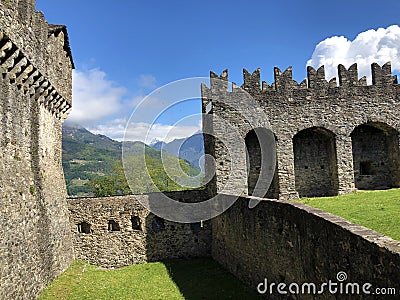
(123, 50)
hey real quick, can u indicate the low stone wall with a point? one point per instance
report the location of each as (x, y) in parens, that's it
(118, 231)
(293, 243)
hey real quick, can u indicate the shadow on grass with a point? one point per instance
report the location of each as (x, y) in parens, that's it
(204, 278)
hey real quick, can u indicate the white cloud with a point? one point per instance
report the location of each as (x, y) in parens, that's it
(139, 131)
(380, 46)
(94, 97)
(102, 107)
(114, 129)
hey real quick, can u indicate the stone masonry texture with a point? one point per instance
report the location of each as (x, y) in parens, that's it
(140, 236)
(35, 96)
(288, 242)
(330, 139)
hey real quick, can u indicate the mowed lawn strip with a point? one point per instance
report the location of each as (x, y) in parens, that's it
(377, 210)
(174, 279)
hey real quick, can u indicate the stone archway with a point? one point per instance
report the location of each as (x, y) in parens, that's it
(253, 140)
(315, 162)
(375, 156)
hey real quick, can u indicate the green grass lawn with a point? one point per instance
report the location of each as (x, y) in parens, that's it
(204, 278)
(378, 210)
(175, 279)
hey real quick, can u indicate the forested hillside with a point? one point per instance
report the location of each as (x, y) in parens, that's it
(93, 167)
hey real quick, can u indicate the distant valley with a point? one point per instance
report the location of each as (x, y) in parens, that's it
(92, 163)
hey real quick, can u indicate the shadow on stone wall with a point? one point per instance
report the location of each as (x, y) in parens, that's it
(167, 240)
(288, 242)
(119, 231)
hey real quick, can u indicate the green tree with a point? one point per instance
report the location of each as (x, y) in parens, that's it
(112, 184)
(147, 173)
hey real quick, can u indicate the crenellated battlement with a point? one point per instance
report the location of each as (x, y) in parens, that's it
(315, 83)
(330, 139)
(316, 78)
(324, 110)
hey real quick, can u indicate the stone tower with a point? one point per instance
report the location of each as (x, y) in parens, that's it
(35, 92)
(331, 138)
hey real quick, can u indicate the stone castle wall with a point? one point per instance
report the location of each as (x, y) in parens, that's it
(318, 126)
(315, 163)
(288, 242)
(329, 139)
(35, 96)
(323, 146)
(119, 231)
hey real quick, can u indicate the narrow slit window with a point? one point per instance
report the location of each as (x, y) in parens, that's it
(113, 226)
(136, 225)
(158, 224)
(366, 168)
(84, 227)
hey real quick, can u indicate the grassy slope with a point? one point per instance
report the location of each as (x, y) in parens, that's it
(378, 210)
(88, 156)
(175, 279)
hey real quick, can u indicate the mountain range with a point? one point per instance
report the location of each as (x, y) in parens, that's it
(190, 149)
(89, 158)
